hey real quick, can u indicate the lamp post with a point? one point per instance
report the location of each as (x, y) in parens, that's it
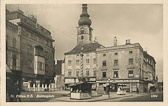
(108, 80)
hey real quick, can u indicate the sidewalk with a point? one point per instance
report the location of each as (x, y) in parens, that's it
(96, 98)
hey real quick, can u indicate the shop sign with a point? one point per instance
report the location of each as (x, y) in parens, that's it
(92, 79)
(68, 81)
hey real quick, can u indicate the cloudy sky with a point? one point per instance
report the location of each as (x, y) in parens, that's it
(141, 23)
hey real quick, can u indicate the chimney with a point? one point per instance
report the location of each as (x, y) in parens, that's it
(115, 41)
(128, 41)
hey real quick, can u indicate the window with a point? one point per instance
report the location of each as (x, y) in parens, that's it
(104, 74)
(87, 73)
(77, 55)
(82, 31)
(115, 53)
(77, 73)
(104, 54)
(115, 74)
(14, 42)
(130, 52)
(82, 37)
(130, 73)
(69, 73)
(77, 62)
(104, 63)
(40, 66)
(69, 62)
(115, 62)
(14, 60)
(94, 61)
(94, 73)
(131, 61)
(87, 61)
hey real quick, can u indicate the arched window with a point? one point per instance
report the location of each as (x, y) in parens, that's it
(14, 60)
(82, 31)
(14, 42)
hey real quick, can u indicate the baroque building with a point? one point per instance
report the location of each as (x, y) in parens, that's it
(126, 65)
(81, 60)
(30, 50)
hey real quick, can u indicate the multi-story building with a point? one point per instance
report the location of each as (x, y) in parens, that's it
(81, 60)
(30, 48)
(126, 65)
(13, 50)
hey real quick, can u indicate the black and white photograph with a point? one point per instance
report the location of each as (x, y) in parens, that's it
(84, 52)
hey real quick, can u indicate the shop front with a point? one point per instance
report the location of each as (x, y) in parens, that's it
(127, 85)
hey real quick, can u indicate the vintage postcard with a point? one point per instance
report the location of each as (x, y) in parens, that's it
(107, 52)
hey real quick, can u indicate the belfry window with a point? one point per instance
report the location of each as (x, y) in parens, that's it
(82, 37)
(82, 31)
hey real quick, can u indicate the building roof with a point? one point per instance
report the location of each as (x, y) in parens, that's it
(120, 47)
(90, 47)
(146, 55)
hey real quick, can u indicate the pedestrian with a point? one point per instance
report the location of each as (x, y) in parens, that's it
(18, 91)
(137, 90)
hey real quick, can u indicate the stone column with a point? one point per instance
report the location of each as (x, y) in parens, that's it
(34, 87)
(42, 87)
(49, 87)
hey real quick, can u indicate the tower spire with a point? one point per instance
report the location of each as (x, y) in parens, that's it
(84, 17)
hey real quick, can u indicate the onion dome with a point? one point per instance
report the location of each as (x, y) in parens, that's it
(84, 17)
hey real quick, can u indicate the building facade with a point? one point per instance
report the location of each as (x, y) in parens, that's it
(13, 50)
(81, 60)
(126, 65)
(35, 58)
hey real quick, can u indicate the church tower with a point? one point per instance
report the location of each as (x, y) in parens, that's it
(84, 31)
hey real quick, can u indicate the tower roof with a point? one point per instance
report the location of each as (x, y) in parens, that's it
(84, 17)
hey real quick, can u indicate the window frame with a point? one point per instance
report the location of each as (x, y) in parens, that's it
(69, 62)
(131, 61)
(104, 63)
(116, 74)
(87, 61)
(132, 75)
(116, 62)
(104, 73)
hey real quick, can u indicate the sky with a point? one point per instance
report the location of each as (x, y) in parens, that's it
(141, 23)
